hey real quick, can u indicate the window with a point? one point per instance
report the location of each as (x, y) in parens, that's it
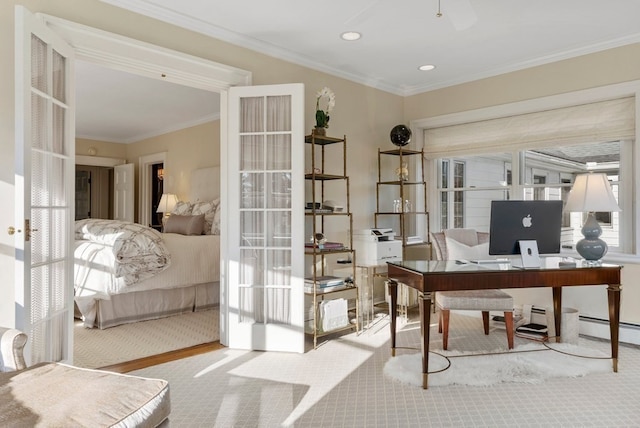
(536, 174)
(451, 200)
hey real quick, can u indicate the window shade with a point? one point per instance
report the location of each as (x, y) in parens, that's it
(595, 122)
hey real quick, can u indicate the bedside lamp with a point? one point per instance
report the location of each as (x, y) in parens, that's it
(591, 193)
(167, 203)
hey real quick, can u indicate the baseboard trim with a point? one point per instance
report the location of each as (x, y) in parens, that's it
(589, 326)
(597, 327)
(629, 333)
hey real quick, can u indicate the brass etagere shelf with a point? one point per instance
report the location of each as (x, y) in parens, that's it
(405, 216)
(317, 179)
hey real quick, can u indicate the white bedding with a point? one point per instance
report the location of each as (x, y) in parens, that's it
(194, 260)
(138, 251)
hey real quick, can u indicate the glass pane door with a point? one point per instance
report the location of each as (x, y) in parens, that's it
(266, 306)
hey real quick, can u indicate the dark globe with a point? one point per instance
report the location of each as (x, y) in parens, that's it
(400, 135)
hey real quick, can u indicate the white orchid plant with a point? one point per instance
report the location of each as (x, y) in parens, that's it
(322, 114)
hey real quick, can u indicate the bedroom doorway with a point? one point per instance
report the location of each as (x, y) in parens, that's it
(157, 189)
(94, 192)
(113, 50)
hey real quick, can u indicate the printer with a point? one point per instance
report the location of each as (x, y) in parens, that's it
(374, 235)
(376, 247)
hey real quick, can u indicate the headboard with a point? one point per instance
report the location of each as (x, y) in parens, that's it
(205, 184)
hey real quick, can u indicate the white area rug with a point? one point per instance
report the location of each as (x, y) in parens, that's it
(528, 363)
(94, 348)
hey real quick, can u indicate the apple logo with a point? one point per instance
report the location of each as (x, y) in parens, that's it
(527, 221)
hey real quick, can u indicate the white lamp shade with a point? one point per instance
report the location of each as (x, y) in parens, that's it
(167, 203)
(591, 193)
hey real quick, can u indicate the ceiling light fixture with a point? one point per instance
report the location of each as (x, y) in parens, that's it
(439, 14)
(426, 67)
(350, 36)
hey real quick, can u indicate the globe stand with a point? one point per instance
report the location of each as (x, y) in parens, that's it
(591, 247)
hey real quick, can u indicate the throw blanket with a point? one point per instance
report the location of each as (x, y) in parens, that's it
(139, 251)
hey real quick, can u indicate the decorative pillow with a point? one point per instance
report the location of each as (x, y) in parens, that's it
(208, 209)
(182, 208)
(185, 224)
(457, 250)
(215, 225)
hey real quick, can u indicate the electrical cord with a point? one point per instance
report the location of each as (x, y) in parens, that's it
(545, 343)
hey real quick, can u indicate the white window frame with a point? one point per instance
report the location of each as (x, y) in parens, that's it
(630, 162)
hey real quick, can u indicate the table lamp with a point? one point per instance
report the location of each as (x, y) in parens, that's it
(591, 193)
(167, 203)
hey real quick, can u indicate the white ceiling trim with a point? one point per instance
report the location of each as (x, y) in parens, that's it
(145, 59)
(99, 161)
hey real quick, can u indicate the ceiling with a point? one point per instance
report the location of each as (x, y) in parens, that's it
(473, 39)
(120, 107)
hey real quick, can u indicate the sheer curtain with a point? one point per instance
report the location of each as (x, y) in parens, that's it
(51, 161)
(265, 210)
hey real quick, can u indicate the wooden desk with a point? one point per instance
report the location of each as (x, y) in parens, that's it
(430, 276)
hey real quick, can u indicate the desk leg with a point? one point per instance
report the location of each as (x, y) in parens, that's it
(613, 295)
(557, 310)
(424, 300)
(393, 312)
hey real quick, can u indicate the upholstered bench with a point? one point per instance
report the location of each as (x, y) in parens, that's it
(468, 244)
(54, 394)
(474, 300)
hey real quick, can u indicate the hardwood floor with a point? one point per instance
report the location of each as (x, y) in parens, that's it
(163, 358)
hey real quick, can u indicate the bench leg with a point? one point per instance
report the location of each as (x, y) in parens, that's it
(444, 316)
(485, 321)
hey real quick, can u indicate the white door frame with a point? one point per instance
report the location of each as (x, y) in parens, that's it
(145, 168)
(141, 58)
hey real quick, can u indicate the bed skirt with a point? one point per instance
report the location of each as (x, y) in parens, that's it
(153, 304)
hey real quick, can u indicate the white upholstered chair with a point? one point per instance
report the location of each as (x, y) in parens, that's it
(468, 244)
(60, 395)
(12, 344)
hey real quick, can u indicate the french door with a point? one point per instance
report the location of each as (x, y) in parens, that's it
(44, 189)
(263, 241)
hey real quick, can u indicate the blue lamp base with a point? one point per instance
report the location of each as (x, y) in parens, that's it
(592, 248)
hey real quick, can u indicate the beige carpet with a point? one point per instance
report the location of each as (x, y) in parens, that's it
(95, 348)
(342, 384)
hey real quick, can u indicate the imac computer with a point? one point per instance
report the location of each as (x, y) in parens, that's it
(515, 221)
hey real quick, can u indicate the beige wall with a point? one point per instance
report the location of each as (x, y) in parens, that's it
(187, 149)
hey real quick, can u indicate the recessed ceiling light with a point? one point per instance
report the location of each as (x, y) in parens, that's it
(350, 36)
(426, 67)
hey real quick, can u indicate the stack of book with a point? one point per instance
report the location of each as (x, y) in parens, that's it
(533, 331)
(326, 246)
(323, 284)
(414, 240)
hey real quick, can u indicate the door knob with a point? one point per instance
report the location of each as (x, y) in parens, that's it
(12, 230)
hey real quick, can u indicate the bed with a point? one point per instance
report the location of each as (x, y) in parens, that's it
(126, 272)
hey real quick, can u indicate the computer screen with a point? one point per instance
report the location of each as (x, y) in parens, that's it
(512, 221)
